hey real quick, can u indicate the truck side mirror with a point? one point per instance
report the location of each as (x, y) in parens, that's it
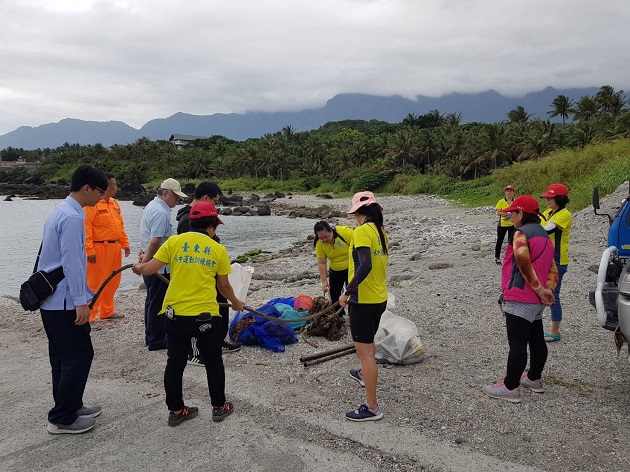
(596, 205)
(596, 198)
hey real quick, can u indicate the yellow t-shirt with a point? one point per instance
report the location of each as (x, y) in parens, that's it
(373, 288)
(195, 260)
(560, 238)
(501, 204)
(337, 253)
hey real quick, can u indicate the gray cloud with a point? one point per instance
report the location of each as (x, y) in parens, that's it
(134, 60)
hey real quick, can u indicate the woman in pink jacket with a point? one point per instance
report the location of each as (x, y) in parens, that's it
(528, 277)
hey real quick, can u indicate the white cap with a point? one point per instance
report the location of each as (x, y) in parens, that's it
(172, 184)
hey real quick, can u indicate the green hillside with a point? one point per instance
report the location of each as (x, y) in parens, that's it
(604, 164)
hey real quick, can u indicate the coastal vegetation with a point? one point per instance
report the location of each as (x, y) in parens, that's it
(430, 153)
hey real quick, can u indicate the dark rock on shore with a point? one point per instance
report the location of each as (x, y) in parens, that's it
(322, 212)
(263, 210)
(231, 200)
(61, 189)
(34, 181)
(131, 189)
(232, 204)
(142, 199)
(37, 191)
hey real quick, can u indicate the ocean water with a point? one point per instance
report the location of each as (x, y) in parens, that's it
(23, 222)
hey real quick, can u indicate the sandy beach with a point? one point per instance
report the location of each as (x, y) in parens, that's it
(289, 417)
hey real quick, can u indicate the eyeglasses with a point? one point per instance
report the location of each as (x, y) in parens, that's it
(101, 191)
(216, 198)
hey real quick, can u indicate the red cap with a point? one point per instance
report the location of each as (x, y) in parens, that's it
(202, 210)
(362, 199)
(524, 203)
(554, 190)
(509, 187)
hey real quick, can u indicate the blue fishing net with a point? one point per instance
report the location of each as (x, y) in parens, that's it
(262, 332)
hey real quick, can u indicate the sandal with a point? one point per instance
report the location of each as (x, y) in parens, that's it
(552, 338)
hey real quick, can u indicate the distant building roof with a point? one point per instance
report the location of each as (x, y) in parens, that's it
(185, 137)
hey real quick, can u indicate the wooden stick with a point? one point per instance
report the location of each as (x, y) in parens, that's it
(319, 360)
(317, 355)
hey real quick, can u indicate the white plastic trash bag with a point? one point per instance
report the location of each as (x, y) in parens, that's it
(397, 340)
(391, 301)
(240, 279)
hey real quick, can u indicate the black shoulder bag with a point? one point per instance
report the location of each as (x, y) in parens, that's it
(39, 286)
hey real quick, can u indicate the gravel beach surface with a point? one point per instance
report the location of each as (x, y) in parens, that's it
(288, 417)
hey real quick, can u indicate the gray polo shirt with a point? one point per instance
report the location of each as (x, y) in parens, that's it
(155, 223)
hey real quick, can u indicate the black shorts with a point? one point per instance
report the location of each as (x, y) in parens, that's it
(364, 320)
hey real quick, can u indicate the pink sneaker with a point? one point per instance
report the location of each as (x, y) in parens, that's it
(499, 390)
(533, 385)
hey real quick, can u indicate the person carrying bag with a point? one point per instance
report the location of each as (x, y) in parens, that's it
(39, 286)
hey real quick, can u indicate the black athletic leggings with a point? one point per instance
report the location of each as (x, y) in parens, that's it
(522, 333)
(501, 232)
(336, 281)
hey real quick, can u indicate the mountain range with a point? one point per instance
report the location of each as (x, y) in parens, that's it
(486, 107)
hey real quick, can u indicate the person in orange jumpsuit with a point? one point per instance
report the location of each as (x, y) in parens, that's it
(105, 237)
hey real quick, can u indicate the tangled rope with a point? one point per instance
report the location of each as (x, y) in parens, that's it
(246, 308)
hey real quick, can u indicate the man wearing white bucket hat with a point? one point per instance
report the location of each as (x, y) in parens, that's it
(155, 229)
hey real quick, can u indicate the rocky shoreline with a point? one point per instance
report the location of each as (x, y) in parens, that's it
(230, 203)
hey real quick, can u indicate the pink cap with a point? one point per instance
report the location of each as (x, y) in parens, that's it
(362, 199)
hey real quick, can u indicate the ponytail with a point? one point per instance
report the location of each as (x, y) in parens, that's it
(375, 215)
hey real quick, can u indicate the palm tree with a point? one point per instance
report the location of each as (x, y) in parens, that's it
(496, 144)
(453, 119)
(410, 120)
(561, 106)
(316, 150)
(539, 140)
(402, 147)
(518, 115)
(604, 98)
(582, 135)
(585, 109)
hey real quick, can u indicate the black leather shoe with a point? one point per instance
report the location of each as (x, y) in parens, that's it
(229, 346)
(157, 347)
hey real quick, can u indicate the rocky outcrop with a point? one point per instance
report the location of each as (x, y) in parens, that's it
(322, 212)
(142, 199)
(231, 200)
(37, 191)
(263, 210)
(61, 189)
(229, 204)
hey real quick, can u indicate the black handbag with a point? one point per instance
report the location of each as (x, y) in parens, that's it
(39, 286)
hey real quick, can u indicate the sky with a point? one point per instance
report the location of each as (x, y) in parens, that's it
(137, 60)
